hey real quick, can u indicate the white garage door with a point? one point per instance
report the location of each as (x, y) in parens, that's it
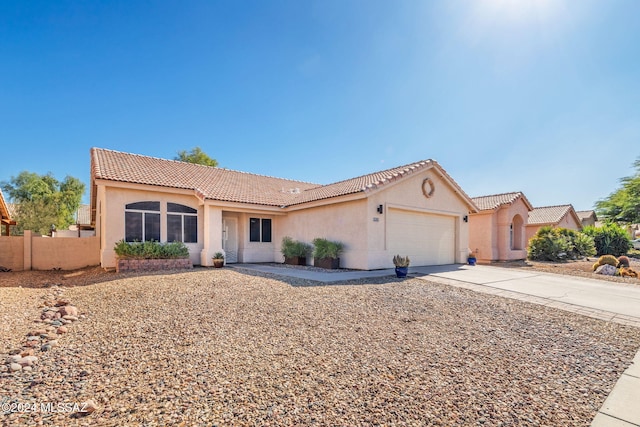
(428, 239)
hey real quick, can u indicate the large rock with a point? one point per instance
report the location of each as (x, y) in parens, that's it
(68, 310)
(607, 270)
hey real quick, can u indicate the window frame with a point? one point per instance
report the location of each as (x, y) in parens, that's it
(145, 225)
(264, 231)
(177, 210)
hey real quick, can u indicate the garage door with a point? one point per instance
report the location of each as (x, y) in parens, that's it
(428, 239)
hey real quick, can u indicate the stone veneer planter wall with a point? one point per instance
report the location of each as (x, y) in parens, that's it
(127, 264)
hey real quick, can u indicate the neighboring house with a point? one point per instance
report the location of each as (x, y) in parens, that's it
(498, 231)
(587, 217)
(416, 210)
(6, 215)
(556, 216)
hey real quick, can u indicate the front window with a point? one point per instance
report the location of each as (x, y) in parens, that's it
(182, 223)
(259, 230)
(142, 221)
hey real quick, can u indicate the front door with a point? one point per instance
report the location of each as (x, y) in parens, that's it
(230, 239)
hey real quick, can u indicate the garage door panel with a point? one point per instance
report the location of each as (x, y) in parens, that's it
(428, 239)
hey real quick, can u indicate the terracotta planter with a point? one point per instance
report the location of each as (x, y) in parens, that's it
(329, 263)
(295, 260)
(218, 263)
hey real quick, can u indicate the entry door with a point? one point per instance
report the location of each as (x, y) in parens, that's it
(230, 239)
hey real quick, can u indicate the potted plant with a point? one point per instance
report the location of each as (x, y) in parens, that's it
(218, 260)
(471, 259)
(326, 254)
(295, 252)
(402, 265)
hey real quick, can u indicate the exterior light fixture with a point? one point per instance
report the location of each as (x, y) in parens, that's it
(380, 209)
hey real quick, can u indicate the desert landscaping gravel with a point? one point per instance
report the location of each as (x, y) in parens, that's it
(226, 347)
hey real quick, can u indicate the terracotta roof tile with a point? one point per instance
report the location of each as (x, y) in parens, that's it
(548, 214)
(586, 214)
(227, 185)
(496, 200)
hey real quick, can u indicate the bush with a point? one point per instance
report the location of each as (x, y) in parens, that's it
(292, 248)
(151, 250)
(324, 248)
(609, 239)
(559, 244)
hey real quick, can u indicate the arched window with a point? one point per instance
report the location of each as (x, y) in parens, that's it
(142, 221)
(182, 223)
(516, 232)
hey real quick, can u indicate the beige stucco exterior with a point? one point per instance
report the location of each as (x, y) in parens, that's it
(500, 234)
(351, 219)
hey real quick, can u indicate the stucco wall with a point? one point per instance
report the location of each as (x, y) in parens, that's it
(11, 252)
(111, 224)
(343, 222)
(64, 253)
(483, 235)
(45, 253)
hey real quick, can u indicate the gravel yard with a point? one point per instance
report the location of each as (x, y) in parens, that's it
(221, 347)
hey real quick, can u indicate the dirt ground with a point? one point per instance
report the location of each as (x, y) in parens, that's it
(91, 275)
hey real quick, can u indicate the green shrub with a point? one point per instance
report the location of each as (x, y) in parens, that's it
(292, 248)
(151, 250)
(609, 239)
(559, 244)
(324, 248)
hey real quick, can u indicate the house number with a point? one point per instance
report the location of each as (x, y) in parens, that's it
(428, 187)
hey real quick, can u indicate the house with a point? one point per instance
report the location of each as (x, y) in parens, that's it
(6, 214)
(556, 216)
(416, 210)
(587, 217)
(498, 231)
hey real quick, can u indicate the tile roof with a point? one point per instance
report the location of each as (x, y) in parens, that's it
(586, 214)
(549, 214)
(228, 185)
(496, 200)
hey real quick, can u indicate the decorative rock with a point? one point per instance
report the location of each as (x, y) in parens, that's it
(62, 330)
(3, 368)
(13, 359)
(70, 318)
(53, 343)
(607, 270)
(27, 368)
(56, 323)
(15, 367)
(28, 352)
(31, 343)
(33, 338)
(62, 302)
(28, 361)
(37, 332)
(45, 347)
(68, 310)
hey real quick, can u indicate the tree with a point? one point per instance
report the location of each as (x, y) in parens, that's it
(196, 155)
(43, 201)
(623, 205)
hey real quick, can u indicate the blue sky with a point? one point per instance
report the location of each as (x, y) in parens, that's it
(539, 96)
